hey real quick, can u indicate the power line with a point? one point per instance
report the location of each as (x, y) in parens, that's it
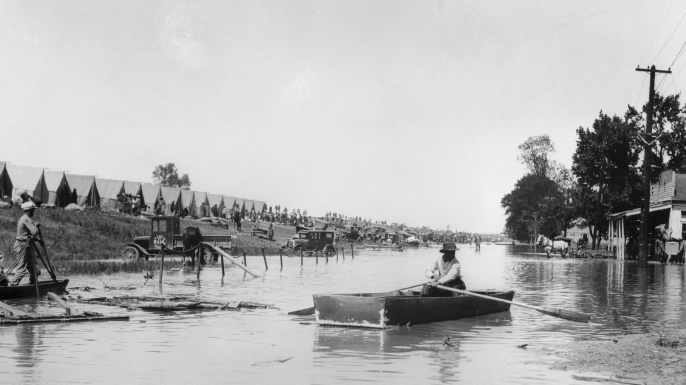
(681, 50)
(671, 35)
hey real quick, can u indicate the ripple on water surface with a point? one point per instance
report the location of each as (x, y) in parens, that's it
(268, 346)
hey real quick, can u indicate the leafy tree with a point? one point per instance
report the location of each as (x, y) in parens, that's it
(668, 139)
(168, 175)
(605, 166)
(534, 154)
(534, 207)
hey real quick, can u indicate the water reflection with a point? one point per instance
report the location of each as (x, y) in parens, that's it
(223, 347)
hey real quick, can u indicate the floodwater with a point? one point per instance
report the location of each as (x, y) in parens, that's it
(270, 347)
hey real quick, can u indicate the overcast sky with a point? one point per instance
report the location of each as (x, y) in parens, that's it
(401, 110)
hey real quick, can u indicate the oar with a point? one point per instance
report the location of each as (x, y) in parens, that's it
(50, 267)
(559, 313)
(60, 302)
(310, 310)
(47, 266)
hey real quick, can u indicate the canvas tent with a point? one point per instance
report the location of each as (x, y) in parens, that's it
(259, 205)
(216, 202)
(151, 196)
(25, 179)
(172, 200)
(55, 188)
(86, 189)
(188, 204)
(6, 186)
(229, 203)
(109, 190)
(133, 188)
(202, 203)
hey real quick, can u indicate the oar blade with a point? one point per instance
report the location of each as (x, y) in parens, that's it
(567, 314)
(305, 311)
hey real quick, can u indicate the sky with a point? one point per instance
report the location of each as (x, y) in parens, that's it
(408, 111)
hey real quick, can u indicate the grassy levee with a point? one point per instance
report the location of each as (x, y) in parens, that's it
(76, 235)
(78, 241)
(92, 241)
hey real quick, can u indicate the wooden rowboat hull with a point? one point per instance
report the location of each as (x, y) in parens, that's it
(378, 310)
(28, 291)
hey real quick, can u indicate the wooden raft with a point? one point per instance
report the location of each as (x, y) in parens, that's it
(12, 316)
(170, 304)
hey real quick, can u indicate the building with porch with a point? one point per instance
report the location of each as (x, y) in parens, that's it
(667, 211)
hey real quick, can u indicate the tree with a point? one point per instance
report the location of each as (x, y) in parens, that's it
(168, 175)
(668, 139)
(605, 164)
(534, 207)
(534, 154)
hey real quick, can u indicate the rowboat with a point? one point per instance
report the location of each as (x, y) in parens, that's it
(378, 310)
(28, 290)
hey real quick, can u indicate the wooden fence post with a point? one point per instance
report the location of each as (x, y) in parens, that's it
(223, 273)
(301, 256)
(161, 267)
(281, 259)
(352, 251)
(245, 260)
(264, 257)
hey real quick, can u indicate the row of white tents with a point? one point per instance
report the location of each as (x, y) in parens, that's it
(58, 188)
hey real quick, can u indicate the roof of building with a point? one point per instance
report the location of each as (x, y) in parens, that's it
(109, 188)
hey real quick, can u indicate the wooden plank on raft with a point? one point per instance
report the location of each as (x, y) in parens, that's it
(60, 319)
(12, 311)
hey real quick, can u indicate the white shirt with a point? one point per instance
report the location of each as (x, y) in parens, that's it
(442, 272)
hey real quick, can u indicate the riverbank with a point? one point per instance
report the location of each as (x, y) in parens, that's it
(656, 357)
(85, 242)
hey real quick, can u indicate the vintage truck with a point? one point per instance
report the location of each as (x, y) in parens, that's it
(313, 241)
(166, 231)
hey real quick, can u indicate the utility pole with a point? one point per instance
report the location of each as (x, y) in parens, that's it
(645, 202)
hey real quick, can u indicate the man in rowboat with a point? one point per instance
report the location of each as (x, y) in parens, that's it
(445, 271)
(27, 229)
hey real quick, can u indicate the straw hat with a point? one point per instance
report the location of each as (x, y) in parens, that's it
(28, 205)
